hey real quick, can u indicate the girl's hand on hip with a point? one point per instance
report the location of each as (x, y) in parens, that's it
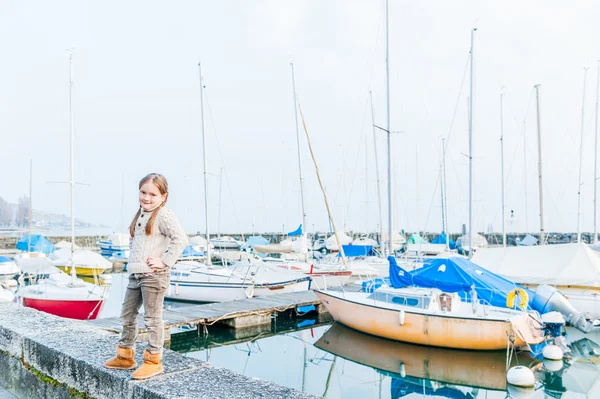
(155, 263)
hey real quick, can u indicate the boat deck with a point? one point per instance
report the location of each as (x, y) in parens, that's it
(235, 314)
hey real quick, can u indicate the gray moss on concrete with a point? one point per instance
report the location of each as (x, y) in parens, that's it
(72, 354)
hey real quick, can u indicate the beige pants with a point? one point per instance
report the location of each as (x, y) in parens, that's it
(146, 289)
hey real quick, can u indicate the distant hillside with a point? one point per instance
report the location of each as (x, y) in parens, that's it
(17, 215)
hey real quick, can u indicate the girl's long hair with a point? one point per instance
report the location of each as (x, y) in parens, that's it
(163, 187)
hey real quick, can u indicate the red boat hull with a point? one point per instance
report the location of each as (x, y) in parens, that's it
(79, 310)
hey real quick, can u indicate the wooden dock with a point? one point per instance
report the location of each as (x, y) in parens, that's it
(235, 314)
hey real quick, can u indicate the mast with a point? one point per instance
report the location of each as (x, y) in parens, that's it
(444, 199)
(502, 168)
(539, 129)
(72, 181)
(585, 69)
(377, 176)
(208, 252)
(471, 148)
(219, 212)
(525, 175)
(299, 165)
(595, 240)
(389, 130)
(30, 205)
(329, 213)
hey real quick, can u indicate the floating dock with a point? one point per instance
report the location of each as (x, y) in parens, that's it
(235, 314)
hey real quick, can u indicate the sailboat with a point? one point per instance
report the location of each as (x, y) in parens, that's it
(202, 282)
(430, 316)
(61, 294)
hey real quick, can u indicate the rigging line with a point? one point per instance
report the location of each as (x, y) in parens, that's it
(370, 80)
(515, 152)
(356, 158)
(212, 121)
(437, 184)
(462, 83)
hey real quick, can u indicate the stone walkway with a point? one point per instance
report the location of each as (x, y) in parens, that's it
(4, 394)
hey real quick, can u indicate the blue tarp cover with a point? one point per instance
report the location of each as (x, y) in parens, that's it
(441, 239)
(455, 274)
(256, 240)
(190, 251)
(4, 259)
(400, 388)
(39, 243)
(357, 250)
(297, 232)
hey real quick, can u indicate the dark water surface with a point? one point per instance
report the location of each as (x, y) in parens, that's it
(334, 361)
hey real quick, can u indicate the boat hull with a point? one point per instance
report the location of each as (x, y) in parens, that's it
(423, 329)
(80, 310)
(207, 292)
(284, 288)
(83, 271)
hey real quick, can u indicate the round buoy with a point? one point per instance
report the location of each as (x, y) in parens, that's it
(520, 376)
(553, 365)
(552, 352)
(519, 393)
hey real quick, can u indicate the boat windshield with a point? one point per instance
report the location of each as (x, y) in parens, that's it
(403, 300)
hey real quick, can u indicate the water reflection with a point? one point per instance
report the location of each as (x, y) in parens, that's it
(422, 369)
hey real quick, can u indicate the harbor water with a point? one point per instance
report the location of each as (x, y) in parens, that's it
(334, 361)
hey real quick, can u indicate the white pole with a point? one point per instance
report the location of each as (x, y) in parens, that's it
(502, 169)
(581, 158)
(304, 226)
(389, 130)
(30, 205)
(595, 241)
(377, 176)
(206, 232)
(541, 192)
(525, 176)
(220, 196)
(471, 149)
(72, 181)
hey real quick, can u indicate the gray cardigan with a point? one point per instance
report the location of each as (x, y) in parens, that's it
(167, 241)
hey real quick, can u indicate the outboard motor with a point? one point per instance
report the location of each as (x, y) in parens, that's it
(548, 299)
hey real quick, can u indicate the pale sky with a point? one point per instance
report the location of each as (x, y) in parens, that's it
(137, 108)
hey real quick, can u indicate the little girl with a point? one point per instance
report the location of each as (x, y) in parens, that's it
(157, 240)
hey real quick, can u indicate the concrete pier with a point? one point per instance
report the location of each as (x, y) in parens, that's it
(44, 356)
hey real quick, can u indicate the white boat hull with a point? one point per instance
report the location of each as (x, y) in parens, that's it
(425, 328)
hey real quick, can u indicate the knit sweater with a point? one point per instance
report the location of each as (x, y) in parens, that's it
(167, 241)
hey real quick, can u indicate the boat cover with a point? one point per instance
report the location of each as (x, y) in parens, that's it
(528, 240)
(441, 239)
(455, 274)
(416, 239)
(297, 232)
(254, 240)
(357, 250)
(39, 243)
(559, 264)
(190, 251)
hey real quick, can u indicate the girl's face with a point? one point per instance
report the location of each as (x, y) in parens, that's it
(150, 196)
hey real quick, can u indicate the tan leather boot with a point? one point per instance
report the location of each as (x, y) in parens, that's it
(151, 367)
(123, 361)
